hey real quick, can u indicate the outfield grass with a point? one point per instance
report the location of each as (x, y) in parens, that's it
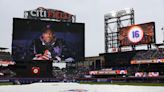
(6, 83)
(108, 83)
(124, 83)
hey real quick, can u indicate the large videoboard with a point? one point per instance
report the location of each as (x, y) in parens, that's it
(47, 40)
(137, 34)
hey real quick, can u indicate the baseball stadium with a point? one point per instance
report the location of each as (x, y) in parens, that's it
(48, 52)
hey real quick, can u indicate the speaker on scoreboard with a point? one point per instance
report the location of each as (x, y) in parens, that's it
(38, 69)
(41, 68)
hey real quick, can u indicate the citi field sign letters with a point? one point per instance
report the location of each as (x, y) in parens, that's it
(42, 13)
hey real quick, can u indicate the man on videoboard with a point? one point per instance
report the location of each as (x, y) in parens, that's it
(47, 47)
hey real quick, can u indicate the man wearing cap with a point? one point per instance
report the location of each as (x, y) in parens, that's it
(47, 47)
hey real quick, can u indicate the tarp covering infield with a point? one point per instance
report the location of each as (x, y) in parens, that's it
(75, 87)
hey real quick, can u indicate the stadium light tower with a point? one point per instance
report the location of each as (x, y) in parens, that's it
(113, 22)
(163, 33)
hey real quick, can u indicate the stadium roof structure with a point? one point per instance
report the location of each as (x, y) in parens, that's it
(160, 44)
(2, 48)
(120, 13)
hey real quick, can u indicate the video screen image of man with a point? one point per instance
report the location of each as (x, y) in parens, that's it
(47, 47)
(47, 40)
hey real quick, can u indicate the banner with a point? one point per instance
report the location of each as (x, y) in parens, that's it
(147, 61)
(145, 74)
(108, 72)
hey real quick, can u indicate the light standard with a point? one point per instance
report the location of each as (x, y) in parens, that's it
(163, 34)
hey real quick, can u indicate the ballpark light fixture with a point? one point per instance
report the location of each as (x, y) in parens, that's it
(120, 13)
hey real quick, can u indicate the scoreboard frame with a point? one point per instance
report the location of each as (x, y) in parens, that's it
(143, 40)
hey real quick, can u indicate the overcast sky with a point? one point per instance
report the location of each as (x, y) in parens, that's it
(90, 12)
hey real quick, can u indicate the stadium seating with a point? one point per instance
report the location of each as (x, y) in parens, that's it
(149, 54)
(69, 73)
(5, 56)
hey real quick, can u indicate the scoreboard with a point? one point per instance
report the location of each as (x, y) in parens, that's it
(137, 34)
